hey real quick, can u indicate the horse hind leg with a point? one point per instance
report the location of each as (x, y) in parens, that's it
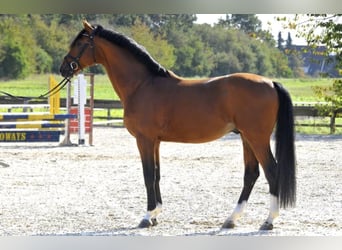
(270, 167)
(250, 176)
(264, 155)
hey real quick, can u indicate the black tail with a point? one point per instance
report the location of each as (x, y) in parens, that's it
(285, 149)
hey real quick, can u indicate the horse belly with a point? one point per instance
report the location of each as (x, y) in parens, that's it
(192, 129)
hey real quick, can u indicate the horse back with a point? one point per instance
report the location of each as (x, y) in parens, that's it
(199, 110)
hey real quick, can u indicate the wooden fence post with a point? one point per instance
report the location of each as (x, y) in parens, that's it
(332, 122)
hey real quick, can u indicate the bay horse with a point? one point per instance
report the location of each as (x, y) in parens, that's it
(161, 106)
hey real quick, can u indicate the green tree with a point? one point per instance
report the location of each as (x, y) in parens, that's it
(164, 23)
(266, 37)
(18, 54)
(330, 35)
(158, 47)
(294, 57)
(159, 24)
(280, 41)
(280, 64)
(193, 56)
(263, 61)
(289, 41)
(37, 43)
(295, 62)
(15, 64)
(43, 61)
(123, 20)
(320, 29)
(52, 38)
(191, 61)
(249, 23)
(236, 51)
(333, 96)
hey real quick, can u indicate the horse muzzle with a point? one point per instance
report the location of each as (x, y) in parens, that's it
(68, 69)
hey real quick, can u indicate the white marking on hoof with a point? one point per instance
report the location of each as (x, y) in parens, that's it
(237, 213)
(154, 213)
(274, 209)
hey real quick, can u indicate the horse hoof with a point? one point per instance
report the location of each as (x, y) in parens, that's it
(266, 226)
(154, 222)
(228, 224)
(145, 224)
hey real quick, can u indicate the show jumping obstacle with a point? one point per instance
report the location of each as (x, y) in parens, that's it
(32, 128)
(44, 126)
(82, 109)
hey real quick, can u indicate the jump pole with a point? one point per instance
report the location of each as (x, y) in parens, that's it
(81, 86)
(67, 141)
(91, 104)
(54, 100)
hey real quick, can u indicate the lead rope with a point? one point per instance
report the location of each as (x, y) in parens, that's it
(48, 94)
(55, 89)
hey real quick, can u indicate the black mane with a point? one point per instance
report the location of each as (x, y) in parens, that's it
(137, 50)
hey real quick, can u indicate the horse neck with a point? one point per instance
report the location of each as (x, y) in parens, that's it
(124, 71)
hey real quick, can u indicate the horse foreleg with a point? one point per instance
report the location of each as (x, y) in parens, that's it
(250, 177)
(151, 216)
(157, 188)
(156, 156)
(147, 153)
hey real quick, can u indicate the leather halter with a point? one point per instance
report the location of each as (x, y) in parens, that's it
(74, 64)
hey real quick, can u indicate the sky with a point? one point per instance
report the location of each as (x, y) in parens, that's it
(268, 23)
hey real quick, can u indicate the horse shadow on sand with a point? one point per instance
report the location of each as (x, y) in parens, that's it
(135, 231)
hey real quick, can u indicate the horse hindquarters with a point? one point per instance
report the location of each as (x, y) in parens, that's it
(280, 173)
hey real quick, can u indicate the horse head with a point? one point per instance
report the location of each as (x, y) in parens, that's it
(81, 53)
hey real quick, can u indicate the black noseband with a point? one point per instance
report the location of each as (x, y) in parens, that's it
(73, 62)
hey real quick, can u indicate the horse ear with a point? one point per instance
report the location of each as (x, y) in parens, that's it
(87, 26)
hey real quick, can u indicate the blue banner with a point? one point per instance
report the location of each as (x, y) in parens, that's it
(29, 136)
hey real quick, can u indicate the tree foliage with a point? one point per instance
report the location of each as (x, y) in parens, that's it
(15, 54)
(295, 61)
(248, 23)
(319, 29)
(332, 95)
(37, 43)
(154, 44)
(324, 29)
